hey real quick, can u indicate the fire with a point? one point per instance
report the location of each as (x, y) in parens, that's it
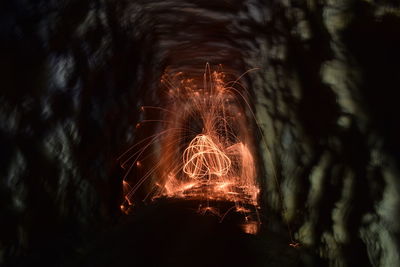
(203, 149)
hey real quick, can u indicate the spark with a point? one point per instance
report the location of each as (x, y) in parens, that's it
(250, 227)
(203, 149)
(295, 245)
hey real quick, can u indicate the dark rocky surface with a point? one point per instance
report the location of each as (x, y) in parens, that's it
(74, 74)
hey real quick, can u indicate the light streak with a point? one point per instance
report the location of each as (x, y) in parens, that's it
(203, 158)
(203, 150)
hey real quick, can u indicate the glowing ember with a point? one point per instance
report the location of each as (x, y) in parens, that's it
(203, 149)
(251, 227)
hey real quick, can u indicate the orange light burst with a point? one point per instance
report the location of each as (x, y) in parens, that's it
(203, 149)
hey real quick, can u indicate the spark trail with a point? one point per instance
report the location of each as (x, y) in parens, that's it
(203, 149)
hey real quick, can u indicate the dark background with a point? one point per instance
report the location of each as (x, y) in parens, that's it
(75, 73)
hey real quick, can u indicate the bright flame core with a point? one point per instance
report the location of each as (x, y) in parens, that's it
(203, 149)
